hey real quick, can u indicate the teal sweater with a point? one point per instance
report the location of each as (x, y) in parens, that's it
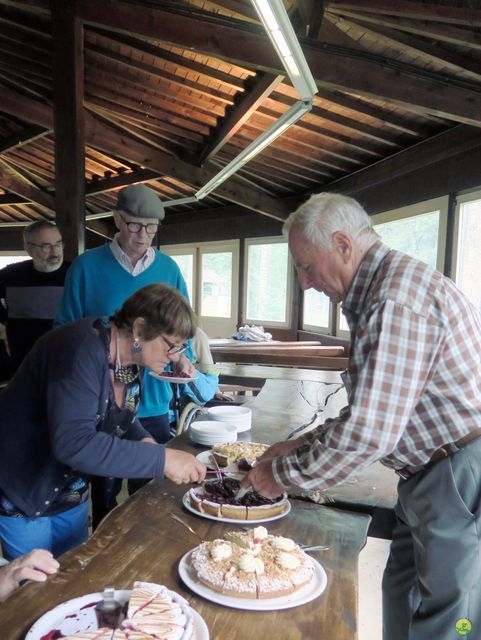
(97, 285)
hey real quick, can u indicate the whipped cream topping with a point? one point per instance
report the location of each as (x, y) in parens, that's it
(287, 560)
(220, 550)
(259, 533)
(283, 544)
(250, 564)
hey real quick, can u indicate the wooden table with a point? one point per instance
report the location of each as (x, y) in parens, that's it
(289, 354)
(139, 541)
(255, 375)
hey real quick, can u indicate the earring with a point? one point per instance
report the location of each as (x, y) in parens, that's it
(136, 347)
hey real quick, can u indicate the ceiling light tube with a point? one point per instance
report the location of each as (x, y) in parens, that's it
(276, 22)
(286, 120)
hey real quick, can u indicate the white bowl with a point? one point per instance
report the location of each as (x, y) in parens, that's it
(211, 432)
(240, 416)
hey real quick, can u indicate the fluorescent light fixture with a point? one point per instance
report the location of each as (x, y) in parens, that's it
(273, 16)
(279, 29)
(173, 203)
(286, 120)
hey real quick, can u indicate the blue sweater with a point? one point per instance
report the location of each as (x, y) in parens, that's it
(97, 285)
(51, 412)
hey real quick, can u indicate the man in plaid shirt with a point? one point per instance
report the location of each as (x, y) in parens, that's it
(414, 403)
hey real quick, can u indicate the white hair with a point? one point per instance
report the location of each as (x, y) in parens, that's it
(325, 213)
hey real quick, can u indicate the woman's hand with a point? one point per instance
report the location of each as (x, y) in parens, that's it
(36, 565)
(182, 467)
(185, 366)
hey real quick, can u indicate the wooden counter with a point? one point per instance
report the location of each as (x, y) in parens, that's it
(140, 541)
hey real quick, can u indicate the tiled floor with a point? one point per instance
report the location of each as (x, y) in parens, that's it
(372, 560)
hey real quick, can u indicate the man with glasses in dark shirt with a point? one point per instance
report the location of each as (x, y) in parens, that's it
(30, 291)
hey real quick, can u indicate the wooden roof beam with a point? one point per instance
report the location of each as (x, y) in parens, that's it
(11, 181)
(24, 136)
(104, 137)
(416, 10)
(237, 115)
(332, 66)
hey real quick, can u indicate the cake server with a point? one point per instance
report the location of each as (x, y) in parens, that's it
(241, 492)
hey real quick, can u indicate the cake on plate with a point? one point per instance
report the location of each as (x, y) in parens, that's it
(217, 498)
(252, 564)
(243, 454)
(153, 613)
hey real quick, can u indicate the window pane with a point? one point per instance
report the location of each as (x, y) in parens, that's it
(267, 282)
(6, 260)
(417, 236)
(216, 284)
(467, 271)
(316, 308)
(186, 266)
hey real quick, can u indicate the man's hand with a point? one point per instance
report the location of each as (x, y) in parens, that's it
(182, 467)
(280, 449)
(36, 565)
(262, 480)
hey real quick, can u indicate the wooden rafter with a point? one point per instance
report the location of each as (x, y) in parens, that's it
(248, 104)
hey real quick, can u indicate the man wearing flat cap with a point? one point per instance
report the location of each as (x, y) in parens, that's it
(101, 279)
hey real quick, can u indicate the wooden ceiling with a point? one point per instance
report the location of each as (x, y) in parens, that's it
(172, 91)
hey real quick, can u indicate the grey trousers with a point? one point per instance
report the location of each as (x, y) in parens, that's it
(432, 581)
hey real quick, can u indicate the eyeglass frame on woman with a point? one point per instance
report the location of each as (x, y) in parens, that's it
(47, 247)
(139, 226)
(174, 348)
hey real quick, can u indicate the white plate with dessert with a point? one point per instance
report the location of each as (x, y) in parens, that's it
(170, 377)
(253, 570)
(186, 501)
(233, 456)
(77, 616)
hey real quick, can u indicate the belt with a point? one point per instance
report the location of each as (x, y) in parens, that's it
(443, 452)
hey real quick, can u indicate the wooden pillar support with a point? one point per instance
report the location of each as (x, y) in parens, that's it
(68, 72)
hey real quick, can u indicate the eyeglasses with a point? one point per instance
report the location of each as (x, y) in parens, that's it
(134, 227)
(174, 348)
(47, 247)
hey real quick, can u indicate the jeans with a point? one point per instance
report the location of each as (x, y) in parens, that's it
(57, 533)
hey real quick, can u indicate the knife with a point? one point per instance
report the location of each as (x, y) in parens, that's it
(241, 492)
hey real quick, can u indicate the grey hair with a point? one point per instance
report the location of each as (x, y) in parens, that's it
(325, 213)
(35, 227)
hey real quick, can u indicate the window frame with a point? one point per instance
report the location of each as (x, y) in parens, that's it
(287, 324)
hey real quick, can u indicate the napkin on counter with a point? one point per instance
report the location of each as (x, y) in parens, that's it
(252, 332)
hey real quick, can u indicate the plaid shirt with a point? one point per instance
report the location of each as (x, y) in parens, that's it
(414, 377)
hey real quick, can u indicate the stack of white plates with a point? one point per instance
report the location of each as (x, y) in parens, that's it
(240, 416)
(210, 432)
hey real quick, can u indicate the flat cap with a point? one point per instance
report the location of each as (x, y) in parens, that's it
(140, 201)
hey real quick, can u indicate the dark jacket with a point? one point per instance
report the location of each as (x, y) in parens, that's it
(50, 415)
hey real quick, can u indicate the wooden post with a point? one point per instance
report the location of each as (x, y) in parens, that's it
(68, 66)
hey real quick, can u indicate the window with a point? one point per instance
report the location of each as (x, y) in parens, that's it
(316, 310)
(216, 284)
(267, 282)
(211, 272)
(9, 259)
(418, 230)
(467, 249)
(185, 263)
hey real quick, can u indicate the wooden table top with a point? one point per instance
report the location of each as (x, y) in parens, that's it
(140, 541)
(253, 374)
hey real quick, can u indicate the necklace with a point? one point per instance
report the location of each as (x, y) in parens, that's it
(124, 374)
